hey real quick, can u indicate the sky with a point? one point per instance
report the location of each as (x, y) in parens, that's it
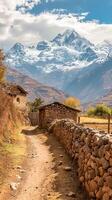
(30, 21)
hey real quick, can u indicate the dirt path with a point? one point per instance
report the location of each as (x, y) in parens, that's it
(45, 175)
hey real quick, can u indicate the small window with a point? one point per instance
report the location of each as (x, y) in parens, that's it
(18, 100)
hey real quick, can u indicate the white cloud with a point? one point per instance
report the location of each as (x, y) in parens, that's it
(28, 29)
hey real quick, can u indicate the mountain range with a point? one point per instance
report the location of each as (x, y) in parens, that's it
(68, 62)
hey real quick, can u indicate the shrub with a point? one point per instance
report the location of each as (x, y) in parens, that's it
(2, 67)
(101, 110)
(72, 102)
(34, 106)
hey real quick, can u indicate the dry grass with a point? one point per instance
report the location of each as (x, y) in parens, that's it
(85, 119)
(11, 155)
(96, 123)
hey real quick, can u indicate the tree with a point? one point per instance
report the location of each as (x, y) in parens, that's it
(2, 66)
(72, 102)
(34, 106)
(101, 110)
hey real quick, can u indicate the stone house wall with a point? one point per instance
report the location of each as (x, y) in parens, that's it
(55, 111)
(92, 151)
(20, 101)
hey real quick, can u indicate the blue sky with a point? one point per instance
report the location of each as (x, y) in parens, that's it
(98, 9)
(30, 21)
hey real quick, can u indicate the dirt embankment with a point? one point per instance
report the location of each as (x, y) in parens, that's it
(12, 144)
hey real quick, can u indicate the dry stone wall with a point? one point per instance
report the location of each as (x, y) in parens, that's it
(92, 150)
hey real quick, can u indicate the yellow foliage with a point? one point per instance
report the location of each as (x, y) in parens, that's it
(2, 67)
(72, 102)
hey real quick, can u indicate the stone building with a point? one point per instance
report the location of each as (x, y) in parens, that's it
(18, 94)
(56, 110)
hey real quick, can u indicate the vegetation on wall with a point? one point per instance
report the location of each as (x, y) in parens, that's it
(72, 102)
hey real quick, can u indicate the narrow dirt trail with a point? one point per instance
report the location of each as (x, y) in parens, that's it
(45, 176)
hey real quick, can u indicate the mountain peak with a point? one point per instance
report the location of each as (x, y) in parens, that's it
(43, 45)
(18, 47)
(70, 32)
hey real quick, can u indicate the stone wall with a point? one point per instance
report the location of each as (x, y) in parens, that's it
(92, 150)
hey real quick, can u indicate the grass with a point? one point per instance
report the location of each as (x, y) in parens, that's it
(85, 119)
(96, 123)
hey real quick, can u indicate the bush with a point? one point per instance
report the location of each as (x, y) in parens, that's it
(72, 102)
(34, 106)
(101, 110)
(2, 67)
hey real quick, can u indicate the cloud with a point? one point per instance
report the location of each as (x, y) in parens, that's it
(26, 28)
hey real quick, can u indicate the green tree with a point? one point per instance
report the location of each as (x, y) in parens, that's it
(101, 110)
(34, 106)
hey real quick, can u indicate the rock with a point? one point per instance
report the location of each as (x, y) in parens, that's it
(105, 196)
(13, 186)
(92, 186)
(110, 161)
(60, 163)
(71, 194)
(101, 171)
(19, 167)
(107, 155)
(105, 163)
(67, 168)
(109, 181)
(81, 179)
(19, 177)
(99, 194)
(22, 171)
(61, 156)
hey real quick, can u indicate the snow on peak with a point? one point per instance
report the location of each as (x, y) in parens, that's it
(67, 49)
(43, 45)
(18, 47)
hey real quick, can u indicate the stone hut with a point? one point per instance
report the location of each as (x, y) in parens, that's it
(18, 94)
(56, 110)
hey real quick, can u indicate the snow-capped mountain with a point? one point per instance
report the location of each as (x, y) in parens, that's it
(64, 62)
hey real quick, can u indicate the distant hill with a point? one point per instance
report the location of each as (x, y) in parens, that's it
(34, 88)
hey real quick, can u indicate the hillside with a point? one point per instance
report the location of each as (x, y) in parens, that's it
(12, 144)
(69, 62)
(34, 88)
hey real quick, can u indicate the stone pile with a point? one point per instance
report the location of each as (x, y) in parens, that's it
(92, 150)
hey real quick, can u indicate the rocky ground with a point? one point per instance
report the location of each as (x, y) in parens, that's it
(47, 173)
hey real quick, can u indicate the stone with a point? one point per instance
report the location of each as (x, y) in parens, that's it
(81, 179)
(67, 168)
(100, 182)
(22, 171)
(109, 181)
(13, 186)
(107, 155)
(105, 163)
(71, 194)
(60, 163)
(92, 186)
(99, 194)
(110, 161)
(105, 196)
(101, 171)
(19, 167)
